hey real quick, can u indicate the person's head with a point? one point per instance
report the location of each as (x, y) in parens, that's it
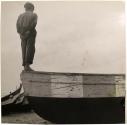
(29, 6)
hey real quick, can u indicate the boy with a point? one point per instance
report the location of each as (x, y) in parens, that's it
(26, 24)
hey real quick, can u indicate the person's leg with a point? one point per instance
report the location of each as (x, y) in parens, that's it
(23, 47)
(30, 51)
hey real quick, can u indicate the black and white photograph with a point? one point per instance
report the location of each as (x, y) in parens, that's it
(63, 62)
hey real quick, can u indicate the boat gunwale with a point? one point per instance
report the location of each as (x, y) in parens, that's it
(84, 97)
(69, 73)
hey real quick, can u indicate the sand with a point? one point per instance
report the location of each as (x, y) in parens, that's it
(23, 118)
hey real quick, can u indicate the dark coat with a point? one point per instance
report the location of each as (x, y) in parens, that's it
(26, 22)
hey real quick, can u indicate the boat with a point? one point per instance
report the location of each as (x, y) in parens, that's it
(76, 98)
(14, 97)
(13, 101)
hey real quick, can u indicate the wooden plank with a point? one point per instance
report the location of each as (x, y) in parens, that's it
(73, 85)
(37, 89)
(66, 85)
(66, 90)
(66, 79)
(99, 91)
(36, 77)
(98, 79)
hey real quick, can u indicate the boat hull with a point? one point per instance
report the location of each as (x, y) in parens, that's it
(79, 110)
(75, 98)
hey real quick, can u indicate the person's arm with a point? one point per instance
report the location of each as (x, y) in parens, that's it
(18, 24)
(34, 21)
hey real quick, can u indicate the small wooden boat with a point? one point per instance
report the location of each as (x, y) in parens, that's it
(12, 101)
(15, 97)
(76, 97)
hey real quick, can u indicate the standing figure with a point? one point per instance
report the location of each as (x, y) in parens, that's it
(26, 24)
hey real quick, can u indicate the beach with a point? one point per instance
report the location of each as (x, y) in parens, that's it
(22, 116)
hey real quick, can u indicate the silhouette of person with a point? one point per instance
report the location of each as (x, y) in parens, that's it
(26, 24)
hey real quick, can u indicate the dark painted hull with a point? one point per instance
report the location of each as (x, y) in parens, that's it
(79, 110)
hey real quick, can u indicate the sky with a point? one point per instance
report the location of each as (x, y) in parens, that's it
(87, 37)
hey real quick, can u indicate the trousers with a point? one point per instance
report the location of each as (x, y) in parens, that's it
(28, 47)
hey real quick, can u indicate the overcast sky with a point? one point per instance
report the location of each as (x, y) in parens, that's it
(84, 37)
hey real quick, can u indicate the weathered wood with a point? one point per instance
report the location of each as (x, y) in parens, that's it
(51, 84)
